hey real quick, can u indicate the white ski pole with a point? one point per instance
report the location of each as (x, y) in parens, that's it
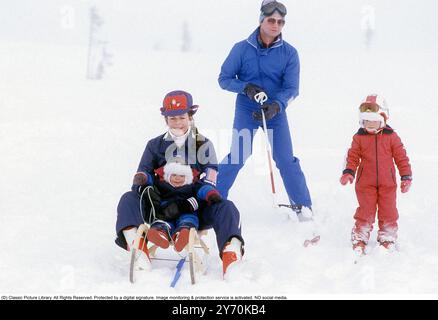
(261, 98)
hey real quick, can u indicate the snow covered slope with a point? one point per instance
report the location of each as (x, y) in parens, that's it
(69, 147)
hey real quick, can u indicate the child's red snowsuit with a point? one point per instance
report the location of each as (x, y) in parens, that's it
(376, 185)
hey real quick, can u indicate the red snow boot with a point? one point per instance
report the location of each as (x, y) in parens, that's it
(181, 239)
(158, 237)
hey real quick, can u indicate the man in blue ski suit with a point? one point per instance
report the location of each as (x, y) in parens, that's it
(264, 63)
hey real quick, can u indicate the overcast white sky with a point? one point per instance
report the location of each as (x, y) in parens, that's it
(214, 25)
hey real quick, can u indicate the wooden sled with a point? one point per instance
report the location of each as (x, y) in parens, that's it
(196, 264)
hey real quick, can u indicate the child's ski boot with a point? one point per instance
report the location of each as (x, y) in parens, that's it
(359, 248)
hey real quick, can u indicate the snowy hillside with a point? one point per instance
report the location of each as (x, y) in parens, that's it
(69, 147)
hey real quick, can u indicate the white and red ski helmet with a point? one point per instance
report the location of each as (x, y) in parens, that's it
(374, 108)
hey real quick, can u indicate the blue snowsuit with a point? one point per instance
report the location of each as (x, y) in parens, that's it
(276, 69)
(199, 153)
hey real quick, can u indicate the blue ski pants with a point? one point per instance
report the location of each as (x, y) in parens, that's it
(244, 129)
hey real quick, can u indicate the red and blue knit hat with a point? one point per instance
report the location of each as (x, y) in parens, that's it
(177, 103)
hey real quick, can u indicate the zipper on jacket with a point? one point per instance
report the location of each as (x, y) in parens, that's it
(377, 166)
(260, 69)
(359, 174)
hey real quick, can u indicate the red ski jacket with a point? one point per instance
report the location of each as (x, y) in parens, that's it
(375, 155)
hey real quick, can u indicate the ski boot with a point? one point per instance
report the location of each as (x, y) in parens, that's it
(143, 259)
(388, 245)
(181, 239)
(232, 254)
(359, 248)
(159, 237)
(304, 214)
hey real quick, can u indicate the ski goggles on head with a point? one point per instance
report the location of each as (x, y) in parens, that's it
(369, 107)
(271, 7)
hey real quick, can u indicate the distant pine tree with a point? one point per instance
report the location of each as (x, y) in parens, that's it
(98, 56)
(368, 24)
(186, 38)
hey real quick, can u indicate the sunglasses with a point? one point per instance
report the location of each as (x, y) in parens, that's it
(269, 8)
(280, 22)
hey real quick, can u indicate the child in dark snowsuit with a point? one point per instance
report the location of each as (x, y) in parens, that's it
(370, 159)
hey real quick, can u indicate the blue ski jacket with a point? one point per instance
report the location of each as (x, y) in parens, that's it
(275, 69)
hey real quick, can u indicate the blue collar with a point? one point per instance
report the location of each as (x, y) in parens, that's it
(253, 40)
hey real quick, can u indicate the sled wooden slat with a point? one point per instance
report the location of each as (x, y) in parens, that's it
(141, 233)
(190, 250)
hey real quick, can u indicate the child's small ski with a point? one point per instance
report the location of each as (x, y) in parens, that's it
(358, 256)
(360, 251)
(312, 242)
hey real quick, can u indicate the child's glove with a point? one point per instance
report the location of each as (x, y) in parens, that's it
(141, 181)
(405, 184)
(210, 194)
(346, 177)
(213, 197)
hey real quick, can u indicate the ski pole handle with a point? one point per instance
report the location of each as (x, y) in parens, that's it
(261, 97)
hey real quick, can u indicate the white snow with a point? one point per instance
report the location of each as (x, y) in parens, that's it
(70, 146)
